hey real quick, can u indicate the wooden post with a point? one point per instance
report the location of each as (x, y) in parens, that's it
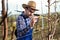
(4, 16)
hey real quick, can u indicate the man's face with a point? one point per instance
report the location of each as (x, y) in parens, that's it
(30, 11)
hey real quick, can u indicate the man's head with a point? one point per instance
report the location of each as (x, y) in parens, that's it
(30, 8)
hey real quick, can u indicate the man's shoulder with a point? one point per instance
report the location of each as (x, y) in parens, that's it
(20, 17)
(20, 14)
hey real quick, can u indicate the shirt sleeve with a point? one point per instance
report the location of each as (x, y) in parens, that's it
(20, 23)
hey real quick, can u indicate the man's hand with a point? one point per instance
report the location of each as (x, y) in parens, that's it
(32, 21)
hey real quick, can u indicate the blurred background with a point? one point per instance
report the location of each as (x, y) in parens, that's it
(46, 28)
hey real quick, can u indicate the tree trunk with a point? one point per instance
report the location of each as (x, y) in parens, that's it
(4, 18)
(2, 30)
(49, 24)
(12, 34)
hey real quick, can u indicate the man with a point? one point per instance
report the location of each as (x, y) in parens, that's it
(25, 21)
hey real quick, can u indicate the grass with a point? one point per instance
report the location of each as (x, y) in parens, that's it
(36, 35)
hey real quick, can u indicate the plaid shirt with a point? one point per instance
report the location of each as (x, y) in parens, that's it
(22, 23)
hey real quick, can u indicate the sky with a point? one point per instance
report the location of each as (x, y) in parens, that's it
(17, 5)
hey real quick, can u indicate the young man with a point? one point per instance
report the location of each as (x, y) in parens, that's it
(25, 21)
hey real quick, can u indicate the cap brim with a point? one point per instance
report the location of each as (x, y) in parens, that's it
(25, 6)
(36, 10)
